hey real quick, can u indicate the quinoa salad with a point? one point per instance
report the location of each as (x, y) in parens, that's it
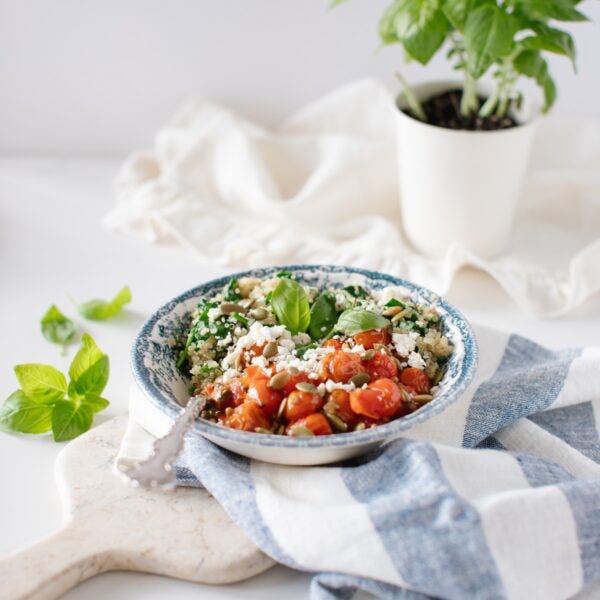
(281, 357)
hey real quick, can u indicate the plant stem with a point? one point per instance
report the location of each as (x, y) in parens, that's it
(413, 103)
(468, 103)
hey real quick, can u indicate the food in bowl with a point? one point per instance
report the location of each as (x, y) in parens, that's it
(278, 356)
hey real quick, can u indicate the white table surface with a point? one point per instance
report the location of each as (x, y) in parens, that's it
(52, 244)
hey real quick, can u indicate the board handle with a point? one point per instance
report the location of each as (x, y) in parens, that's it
(52, 566)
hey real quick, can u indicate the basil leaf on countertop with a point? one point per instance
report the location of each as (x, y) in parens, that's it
(57, 328)
(41, 383)
(323, 316)
(99, 310)
(355, 320)
(70, 419)
(89, 370)
(20, 413)
(290, 305)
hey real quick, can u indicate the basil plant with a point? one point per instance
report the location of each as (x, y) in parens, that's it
(508, 38)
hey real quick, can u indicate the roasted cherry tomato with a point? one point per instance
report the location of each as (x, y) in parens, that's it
(238, 392)
(368, 339)
(317, 423)
(268, 398)
(253, 372)
(342, 407)
(381, 399)
(381, 365)
(248, 416)
(416, 380)
(341, 366)
(290, 386)
(301, 404)
(333, 343)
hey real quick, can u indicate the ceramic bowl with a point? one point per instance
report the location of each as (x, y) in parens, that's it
(155, 351)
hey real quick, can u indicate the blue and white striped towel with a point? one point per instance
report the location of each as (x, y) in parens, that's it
(497, 497)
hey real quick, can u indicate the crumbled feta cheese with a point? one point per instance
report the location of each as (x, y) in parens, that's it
(341, 302)
(405, 343)
(300, 339)
(416, 361)
(260, 361)
(331, 385)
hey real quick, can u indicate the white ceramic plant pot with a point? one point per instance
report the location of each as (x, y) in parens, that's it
(460, 187)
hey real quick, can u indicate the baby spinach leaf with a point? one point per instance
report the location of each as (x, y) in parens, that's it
(89, 370)
(99, 310)
(353, 321)
(286, 274)
(20, 413)
(358, 291)
(57, 328)
(323, 316)
(41, 383)
(70, 419)
(290, 305)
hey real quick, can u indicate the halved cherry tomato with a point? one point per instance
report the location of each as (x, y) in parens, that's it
(301, 404)
(381, 365)
(317, 423)
(379, 400)
(247, 417)
(343, 408)
(416, 380)
(333, 343)
(290, 386)
(253, 372)
(341, 366)
(268, 398)
(368, 339)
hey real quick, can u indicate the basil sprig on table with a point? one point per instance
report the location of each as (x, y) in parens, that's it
(57, 328)
(323, 316)
(46, 402)
(355, 320)
(99, 310)
(290, 305)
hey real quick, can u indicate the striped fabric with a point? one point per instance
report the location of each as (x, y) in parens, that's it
(497, 497)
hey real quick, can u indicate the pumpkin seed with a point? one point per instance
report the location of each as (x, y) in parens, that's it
(369, 354)
(304, 386)
(239, 361)
(360, 379)
(293, 371)
(403, 313)
(281, 409)
(391, 311)
(228, 308)
(398, 362)
(360, 427)
(438, 376)
(279, 380)
(423, 398)
(247, 302)
(336, 422)
(259, 313)
(270, 350)
(262, 430)
(300, 431)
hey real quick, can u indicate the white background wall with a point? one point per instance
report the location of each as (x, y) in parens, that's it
(99, 77)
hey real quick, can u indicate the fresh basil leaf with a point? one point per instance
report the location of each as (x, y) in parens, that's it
(20, 413)
(354, 320)
(394, 302)
(420, 26)
(290, 305)
(561, 10)
(286, 274)
(489, 33)
(232, 291)
(41, 383)
(550, 39)
(323, 316)
(89, 370)
(99, 310)
(96, 403)
(531, 64)
(57, 328)
(70, 419)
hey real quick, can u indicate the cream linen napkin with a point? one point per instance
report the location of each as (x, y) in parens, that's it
(323, 188)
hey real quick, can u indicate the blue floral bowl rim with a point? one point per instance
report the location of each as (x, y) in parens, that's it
(375, 434)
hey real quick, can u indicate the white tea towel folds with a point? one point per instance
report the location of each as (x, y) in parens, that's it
(322, 188)
(498, 497)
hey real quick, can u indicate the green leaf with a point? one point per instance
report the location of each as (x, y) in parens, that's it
(89, 370)
(57, 328)
(230, 293)
(550, 39)
(41, 383)
(70, 419)
(489, 35)
(354, 320)
(96, 403)
(561, 10)
(323, 316)
(19, 413)
(419, 25)
(290, 305)
(99, 310)
(531, 64)
(358, 291)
